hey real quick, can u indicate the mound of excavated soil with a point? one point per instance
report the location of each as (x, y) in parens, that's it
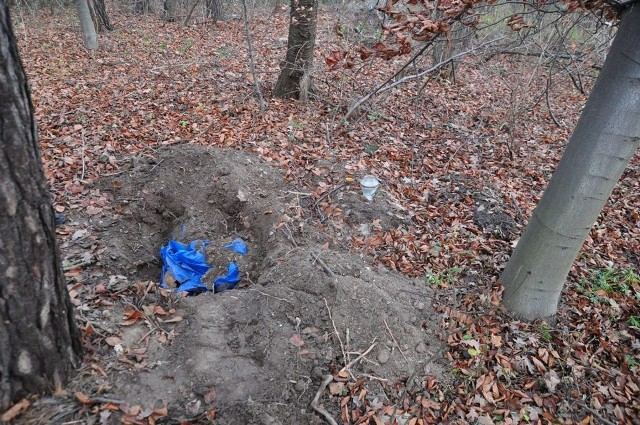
(257, 353)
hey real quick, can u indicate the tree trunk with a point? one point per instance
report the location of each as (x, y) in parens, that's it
(295, 77)
(169, 10)
(39, 341)
(602, 144)
(88, 30)
(99, 15)
(457, 40)
(215, 10)
(141, 6)
(278, 7)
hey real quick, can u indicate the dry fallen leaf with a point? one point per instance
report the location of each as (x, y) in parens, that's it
(551, 380)
(82, 398)
(496, 340)
(160, 311)
(15, 410)
(91, 210)
(296, 340)
(113, 341)
(210, 395)
(336, 388)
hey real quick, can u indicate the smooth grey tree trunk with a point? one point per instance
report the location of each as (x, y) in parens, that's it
(603, 142)
(86, 24)
(39, 341)
(295, 77)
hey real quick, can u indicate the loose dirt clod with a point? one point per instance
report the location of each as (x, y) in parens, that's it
(258, 353)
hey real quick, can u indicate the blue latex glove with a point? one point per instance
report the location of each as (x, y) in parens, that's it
(229, 281)
(186, 264)
(238, 246)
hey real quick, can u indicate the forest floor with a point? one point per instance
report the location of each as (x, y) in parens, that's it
(386, 311)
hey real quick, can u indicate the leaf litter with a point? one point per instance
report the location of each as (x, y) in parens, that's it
(451, 204)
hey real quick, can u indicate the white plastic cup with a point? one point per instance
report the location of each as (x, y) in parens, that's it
(369, 184)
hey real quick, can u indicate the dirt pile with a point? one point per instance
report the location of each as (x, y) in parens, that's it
(257, 354)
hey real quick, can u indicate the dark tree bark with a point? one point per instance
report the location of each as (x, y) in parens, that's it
(39, 341)
(99, 15)
(295, 77)
(141, 6)
(169, 10)
(215, 10)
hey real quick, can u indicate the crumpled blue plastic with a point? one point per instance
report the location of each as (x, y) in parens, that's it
(238, 246)
(229, 281)
(59, 218)
(186, 264)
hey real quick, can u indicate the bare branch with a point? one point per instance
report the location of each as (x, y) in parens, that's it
(389, 85)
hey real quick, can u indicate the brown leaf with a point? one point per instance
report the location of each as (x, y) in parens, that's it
(211, 414)
(296, 340)
(91, 210)
(82, 398)
(160, 413)
(131, 316)
(160, 311)
(336, 388)
(113, 341)
(15, 410)
(496, 340)
(539, 365)
(210, 395)
(377, 420)
(174, 319)
(551, 380)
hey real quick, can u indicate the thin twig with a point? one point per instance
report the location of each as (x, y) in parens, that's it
(293, 192)
(464, 142)
(289, 235)
(117, 173)
(81, 263)
(390, 79)
(344, 355)
(553, 117)
(186, 19)
(394, 340)
(270, 296)
(375, 378)
(324, 265)
(252, 65)
(315, 402)
(389, 85)
(404, 394)
(357, 359)
(514, 201)
(156, 166)
(324, 195)
(596, 414)
(83, 159)
(106, 400)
